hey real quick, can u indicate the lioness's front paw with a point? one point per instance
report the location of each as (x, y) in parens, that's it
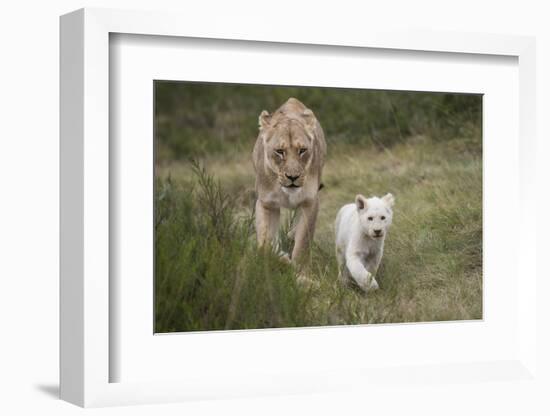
(306, 281)
(284, 257)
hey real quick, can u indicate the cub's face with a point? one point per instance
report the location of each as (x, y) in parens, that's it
(375, 214)
(288, 151)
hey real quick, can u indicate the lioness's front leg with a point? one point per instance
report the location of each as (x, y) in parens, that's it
(267, 223)
(305, 229)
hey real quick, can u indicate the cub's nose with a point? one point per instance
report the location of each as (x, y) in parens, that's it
(377, 232)
(292, 178)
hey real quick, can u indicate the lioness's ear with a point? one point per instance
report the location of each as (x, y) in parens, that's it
(264, 119)
(309, 118)
(389, 200)
(360, 201)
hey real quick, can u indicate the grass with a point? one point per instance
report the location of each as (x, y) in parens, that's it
(209, 274)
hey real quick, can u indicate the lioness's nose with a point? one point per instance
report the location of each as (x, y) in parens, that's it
(292, 178)
(377, 232)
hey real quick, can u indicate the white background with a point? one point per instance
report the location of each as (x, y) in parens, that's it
(29, 205)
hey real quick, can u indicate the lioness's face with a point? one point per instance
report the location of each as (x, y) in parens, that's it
(288, 148)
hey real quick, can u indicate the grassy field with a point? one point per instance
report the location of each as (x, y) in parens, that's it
(209, 274)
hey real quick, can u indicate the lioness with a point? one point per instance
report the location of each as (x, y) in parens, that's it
(288, 158)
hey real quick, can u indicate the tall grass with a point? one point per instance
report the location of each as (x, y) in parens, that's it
(209, 273)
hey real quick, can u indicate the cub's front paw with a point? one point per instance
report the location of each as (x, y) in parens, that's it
(374, 284)
(364, 284)
(369, 283)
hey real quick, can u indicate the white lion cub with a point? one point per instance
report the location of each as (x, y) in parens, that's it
(360, 232)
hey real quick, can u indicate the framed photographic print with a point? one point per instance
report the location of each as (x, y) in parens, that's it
(270, 214)
(236, 203)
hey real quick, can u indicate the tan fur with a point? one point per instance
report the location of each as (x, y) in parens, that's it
(290, 150)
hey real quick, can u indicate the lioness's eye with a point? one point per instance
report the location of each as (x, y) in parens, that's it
(382, 217)
(302, 151)
(370, 218)
(280, 152)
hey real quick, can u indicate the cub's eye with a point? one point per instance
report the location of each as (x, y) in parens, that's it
(382, 217)
(280, 152)
(302, 151)
(369, 218)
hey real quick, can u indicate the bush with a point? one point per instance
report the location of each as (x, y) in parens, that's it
(198, 119)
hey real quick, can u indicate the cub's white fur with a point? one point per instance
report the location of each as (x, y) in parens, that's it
(361, 229)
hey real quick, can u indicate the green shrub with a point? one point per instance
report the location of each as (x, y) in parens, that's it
(198, 119)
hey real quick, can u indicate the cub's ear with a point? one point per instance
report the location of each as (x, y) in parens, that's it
(361, 202)
(264, 119)
(389, 200)
(309, 119)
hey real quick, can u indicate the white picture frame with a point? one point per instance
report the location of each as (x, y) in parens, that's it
(85, 216)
